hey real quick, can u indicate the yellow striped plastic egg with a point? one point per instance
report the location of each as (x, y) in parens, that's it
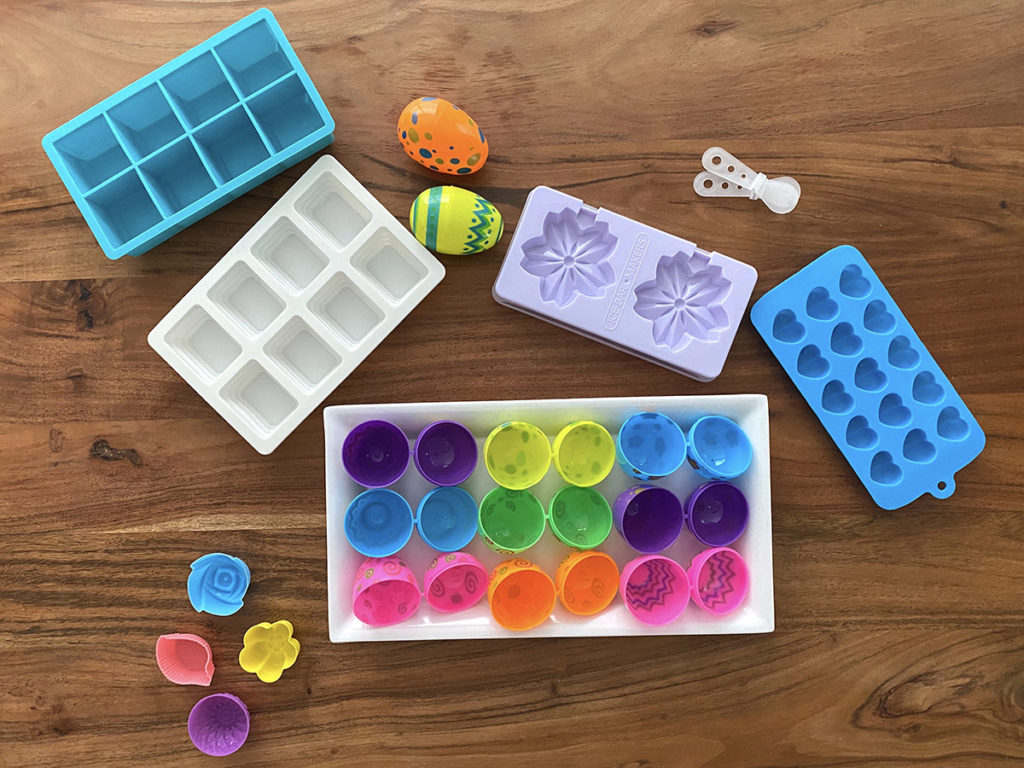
(453, 220)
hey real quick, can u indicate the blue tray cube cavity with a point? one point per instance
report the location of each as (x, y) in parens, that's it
(873, 385)
(189, 137)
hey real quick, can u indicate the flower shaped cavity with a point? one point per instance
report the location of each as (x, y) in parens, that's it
(570, 259)
(684, 300)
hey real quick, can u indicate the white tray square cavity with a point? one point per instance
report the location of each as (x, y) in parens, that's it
(296, 304)
(757, 614)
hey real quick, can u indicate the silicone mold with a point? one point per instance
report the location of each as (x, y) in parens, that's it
(219, 724)
(268, 650)
(189, 137)
(217, 584)
(185, 659)
(873, 385)
(625, 284)
(296, 305)
(475, 619)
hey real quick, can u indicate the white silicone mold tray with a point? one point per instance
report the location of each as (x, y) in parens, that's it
(757, 614)
(296, 304)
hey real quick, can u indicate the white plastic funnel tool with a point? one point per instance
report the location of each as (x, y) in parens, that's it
(728, 177)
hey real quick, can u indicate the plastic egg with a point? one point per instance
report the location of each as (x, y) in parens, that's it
(440, 136)
(453, 220)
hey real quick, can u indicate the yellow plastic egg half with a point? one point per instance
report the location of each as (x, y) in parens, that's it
(453, 220)
(440, 136)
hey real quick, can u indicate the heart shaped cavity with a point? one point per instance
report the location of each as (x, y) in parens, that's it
(877, 318)
(902, 355)
(835, 398)
(917, 448)
(820, 305)
(892, 412)
(852, 282)
(869, 377)
(787, 328)
(845, 341)
(811, 364)
(884, 470)
(926, 389)
(859, 433)
(950, 426)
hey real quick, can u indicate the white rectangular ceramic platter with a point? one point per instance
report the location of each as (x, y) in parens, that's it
(757, 614)
(296, 304)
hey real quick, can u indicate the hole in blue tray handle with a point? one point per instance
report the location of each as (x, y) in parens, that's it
(944, 489)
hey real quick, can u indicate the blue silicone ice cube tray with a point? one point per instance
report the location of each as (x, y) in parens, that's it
(870, 380)
(190, 136)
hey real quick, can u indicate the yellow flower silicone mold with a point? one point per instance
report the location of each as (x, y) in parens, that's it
(269, 649)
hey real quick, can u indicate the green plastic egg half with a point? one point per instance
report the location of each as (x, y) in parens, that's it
(453, 220)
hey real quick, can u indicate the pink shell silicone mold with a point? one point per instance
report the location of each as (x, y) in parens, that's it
(571, 257)
(684, 300)
(185, 659)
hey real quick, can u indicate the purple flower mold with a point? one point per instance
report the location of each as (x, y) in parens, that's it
(623, 283)
(219, 724)
(570, 257)
(684, 300)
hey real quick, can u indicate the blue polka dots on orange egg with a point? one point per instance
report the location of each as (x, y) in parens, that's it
(442, 137)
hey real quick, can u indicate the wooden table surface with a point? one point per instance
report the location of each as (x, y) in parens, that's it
(898, 637)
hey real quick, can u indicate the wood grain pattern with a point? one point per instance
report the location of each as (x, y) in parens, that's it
(899, 633)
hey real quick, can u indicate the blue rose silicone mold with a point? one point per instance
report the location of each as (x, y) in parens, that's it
(217, 584)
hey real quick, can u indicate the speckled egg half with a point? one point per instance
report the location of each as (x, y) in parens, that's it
(440, 136)
(455, 221)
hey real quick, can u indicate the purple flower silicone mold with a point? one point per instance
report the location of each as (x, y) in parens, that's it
(571, 257)
(684, 300)
(534, 279)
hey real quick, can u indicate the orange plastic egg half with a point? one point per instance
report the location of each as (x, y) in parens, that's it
(440, 136)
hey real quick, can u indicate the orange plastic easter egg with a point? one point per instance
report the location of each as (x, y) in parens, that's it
(440, 136)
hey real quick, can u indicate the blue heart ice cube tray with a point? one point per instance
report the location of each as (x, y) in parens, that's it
(190, 136)
(866, 374)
